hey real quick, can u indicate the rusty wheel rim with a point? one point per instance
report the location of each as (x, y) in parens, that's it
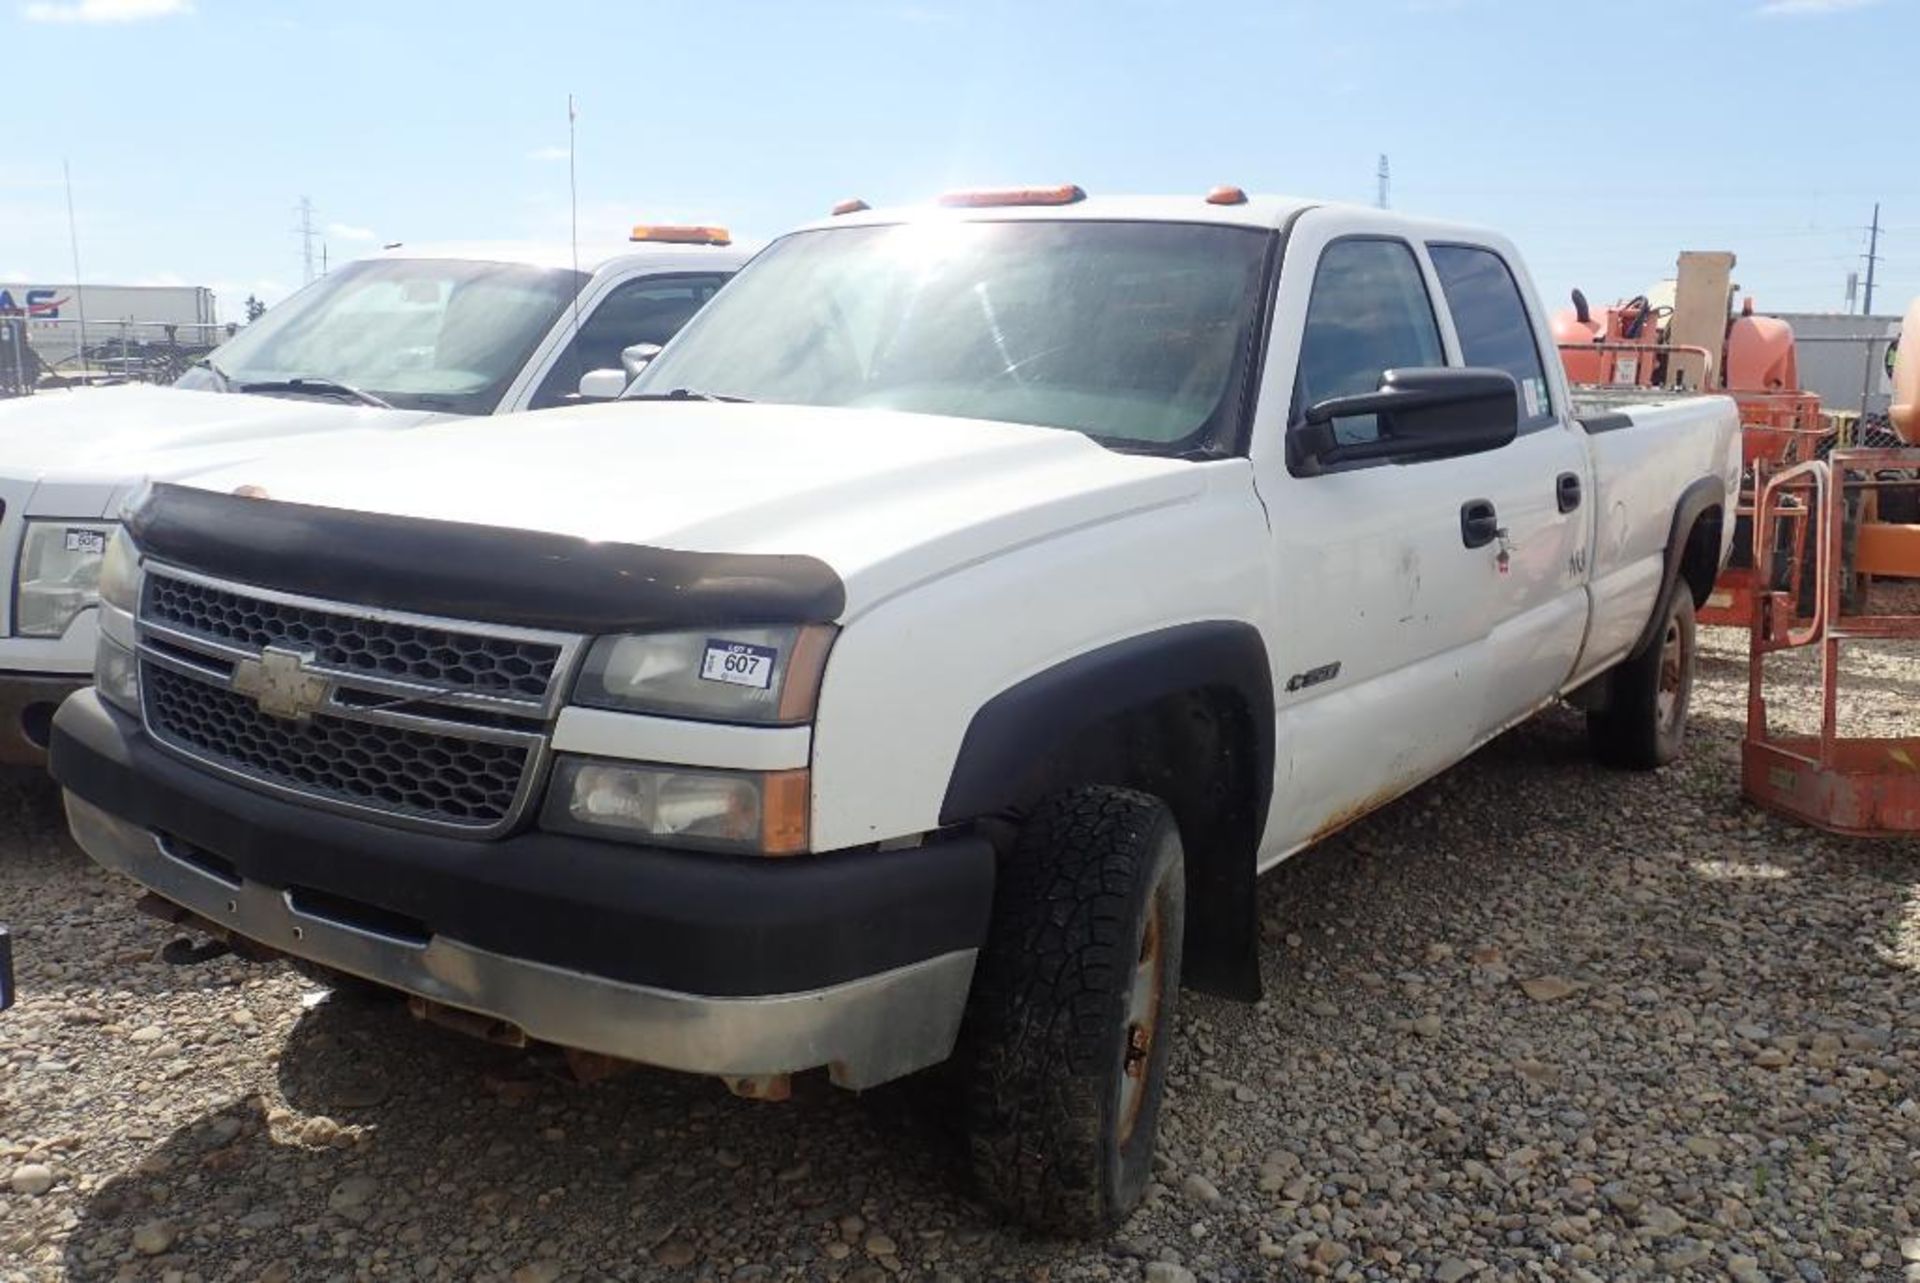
(1672, 676)
(1142, 1020)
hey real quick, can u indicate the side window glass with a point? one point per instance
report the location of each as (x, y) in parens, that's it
(649, 309)
(1491, 319)
(1369, 313)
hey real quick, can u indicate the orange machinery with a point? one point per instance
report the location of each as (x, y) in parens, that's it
(1696, 343)
(1822, 514)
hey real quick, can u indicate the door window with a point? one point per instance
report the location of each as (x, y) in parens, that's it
(1369, 313)
(1492, 322)
(648, 309)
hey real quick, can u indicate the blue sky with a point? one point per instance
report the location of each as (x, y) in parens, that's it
(1603, 136)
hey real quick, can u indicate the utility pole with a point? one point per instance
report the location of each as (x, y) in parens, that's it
(306, 240)
(1380, 195)
(1873, 257)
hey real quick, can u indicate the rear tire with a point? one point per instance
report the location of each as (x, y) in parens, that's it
(1645, 720)
(1071, 1016)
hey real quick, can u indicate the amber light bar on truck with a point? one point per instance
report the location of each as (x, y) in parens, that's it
(983, 197)
(682, 235)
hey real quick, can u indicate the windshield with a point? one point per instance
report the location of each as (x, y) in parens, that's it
(1133, 333)
(446, 335)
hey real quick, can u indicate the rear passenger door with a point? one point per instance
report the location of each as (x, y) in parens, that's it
(1383, 603)
(1539, 605)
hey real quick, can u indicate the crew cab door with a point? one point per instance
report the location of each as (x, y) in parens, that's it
(1396, 581)
(1539, 608)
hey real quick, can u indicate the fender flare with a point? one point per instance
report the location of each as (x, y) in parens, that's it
(1014, 746)
(1704, 493)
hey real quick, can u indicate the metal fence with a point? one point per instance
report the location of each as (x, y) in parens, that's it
(38, 353)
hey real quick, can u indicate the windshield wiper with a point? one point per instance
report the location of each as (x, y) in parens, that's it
(221, 382)
(309, 385)
(687, 394)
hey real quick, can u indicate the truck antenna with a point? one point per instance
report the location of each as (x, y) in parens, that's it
(573, 220)
(79, 286)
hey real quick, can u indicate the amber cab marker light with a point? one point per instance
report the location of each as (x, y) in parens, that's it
(1225, 195)
(683, 235)
(982, 197)
(854, 206)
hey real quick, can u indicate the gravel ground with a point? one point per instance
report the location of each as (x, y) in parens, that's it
(1533, 1021)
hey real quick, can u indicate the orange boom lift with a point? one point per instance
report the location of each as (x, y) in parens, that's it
(1685, 337)
(1824, 515)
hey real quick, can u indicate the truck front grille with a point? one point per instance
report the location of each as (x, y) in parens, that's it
(403, 650)
(427, 723)
(431, 777)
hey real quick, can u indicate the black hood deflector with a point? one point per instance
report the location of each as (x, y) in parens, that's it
(494, 574)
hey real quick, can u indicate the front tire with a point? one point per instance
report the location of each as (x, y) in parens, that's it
(1645, 720)
(1071, 1017)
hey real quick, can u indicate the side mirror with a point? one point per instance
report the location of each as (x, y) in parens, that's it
(603, 385)
(635, 358)
(1424, 413)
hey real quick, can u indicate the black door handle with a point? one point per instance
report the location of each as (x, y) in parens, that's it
(1479, 524)
(1567, 490)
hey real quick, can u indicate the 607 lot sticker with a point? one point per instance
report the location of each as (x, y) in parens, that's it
(739, 663)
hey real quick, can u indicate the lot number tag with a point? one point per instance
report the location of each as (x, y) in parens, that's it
(739, 663)
(91, 542)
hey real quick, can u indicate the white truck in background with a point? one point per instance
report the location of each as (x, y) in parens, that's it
(385, 343)
(923, 661)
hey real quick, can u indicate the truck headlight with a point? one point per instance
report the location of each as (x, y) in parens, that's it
(722, 674)
(748, 812)
(116, 675)
(59, 574)
(120, 572)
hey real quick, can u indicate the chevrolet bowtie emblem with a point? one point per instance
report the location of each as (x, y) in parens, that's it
(279, 682)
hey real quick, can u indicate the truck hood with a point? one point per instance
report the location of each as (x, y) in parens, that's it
(141, 430)
(887, 499)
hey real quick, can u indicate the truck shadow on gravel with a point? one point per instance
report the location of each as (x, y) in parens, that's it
(386, 1132)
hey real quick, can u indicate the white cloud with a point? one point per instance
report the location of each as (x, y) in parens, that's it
(103, 11)
(348, 232)
(1809, 8)
(547, 153)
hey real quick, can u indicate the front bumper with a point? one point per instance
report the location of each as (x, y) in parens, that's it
(27, 704)
(736, 967)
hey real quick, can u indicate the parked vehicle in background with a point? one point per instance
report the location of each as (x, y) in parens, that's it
(385, 343)
(922, 661)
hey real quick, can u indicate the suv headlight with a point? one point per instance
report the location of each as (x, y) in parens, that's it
(59, 574)
(721, 674)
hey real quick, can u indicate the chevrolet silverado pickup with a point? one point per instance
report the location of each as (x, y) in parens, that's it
(919, 664)
(391, 341)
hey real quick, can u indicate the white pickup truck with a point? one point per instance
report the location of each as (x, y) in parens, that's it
(921, 662)
(388, 342)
